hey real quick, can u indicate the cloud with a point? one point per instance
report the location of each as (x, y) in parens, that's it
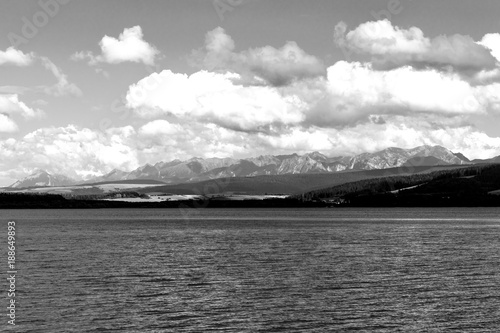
(7, 125)
(235, 95)
(15, 57)
(160, 127)
(370, 137)
(40, 102)
(352, 93)
(213, 97)
(70, 150)
(82, 152)
(11, 106)
(128, 47)
(63, 86)
(13, 90)
(355, 91)
(492, 42)
(391, 47)
(246, 106)
(261, 66)
(354, 109)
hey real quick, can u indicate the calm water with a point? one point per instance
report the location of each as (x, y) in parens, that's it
(304, 270)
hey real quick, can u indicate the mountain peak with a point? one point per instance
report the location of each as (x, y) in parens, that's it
(315, 155)
(462, 157)
(198, 168)
(43, 178)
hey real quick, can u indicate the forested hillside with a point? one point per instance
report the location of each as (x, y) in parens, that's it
(465, 186)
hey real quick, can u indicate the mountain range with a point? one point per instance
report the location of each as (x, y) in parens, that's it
(198, 169)
(43, 178)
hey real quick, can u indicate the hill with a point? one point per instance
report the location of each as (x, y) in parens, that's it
(287, 184)
(470, 186)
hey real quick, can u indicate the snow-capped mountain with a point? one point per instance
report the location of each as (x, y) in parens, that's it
(197, 169)
(111, 176)
(395, 157)
(301, 164)
(43, 178)
(147, 171)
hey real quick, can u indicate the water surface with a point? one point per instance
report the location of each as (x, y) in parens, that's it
(248, 270)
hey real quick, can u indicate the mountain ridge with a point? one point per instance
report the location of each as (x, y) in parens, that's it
(199, 169)
(43, 178)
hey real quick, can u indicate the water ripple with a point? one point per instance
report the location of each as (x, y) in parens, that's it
(259, 271)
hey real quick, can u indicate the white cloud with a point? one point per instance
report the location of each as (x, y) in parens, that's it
(248, 105)
(80, 152)
(13, 90)
(15, 57)
(213, 97)
(186, 140)
(369, 137)
(63, 86)
(381, 38)
(237, 95)
(357, 90)
(262, 65)
(60, 88)
(70, 150)
(391, 46)
(492, 42)
(7, 125)
(130, 46)
(10, 107)
(161, 127)
(351, 93)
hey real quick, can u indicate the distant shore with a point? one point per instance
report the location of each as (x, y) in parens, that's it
(51, 201)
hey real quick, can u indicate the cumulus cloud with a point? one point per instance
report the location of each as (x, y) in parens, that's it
(70, 150)
(351, 93)
(371, 137)
(82, 152)
(213, 97)
(161, 127)
(15, 57)
(7, 125)
(261, 66)
(356, 91)
(391, 46)
(10, 107)
(130, 46)
(492, 42)
(354, 108)
(188, 139)
(247, 105)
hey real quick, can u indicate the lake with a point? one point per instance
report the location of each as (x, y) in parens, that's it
(256, 270)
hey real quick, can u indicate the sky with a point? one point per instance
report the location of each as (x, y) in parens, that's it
(90, 86)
